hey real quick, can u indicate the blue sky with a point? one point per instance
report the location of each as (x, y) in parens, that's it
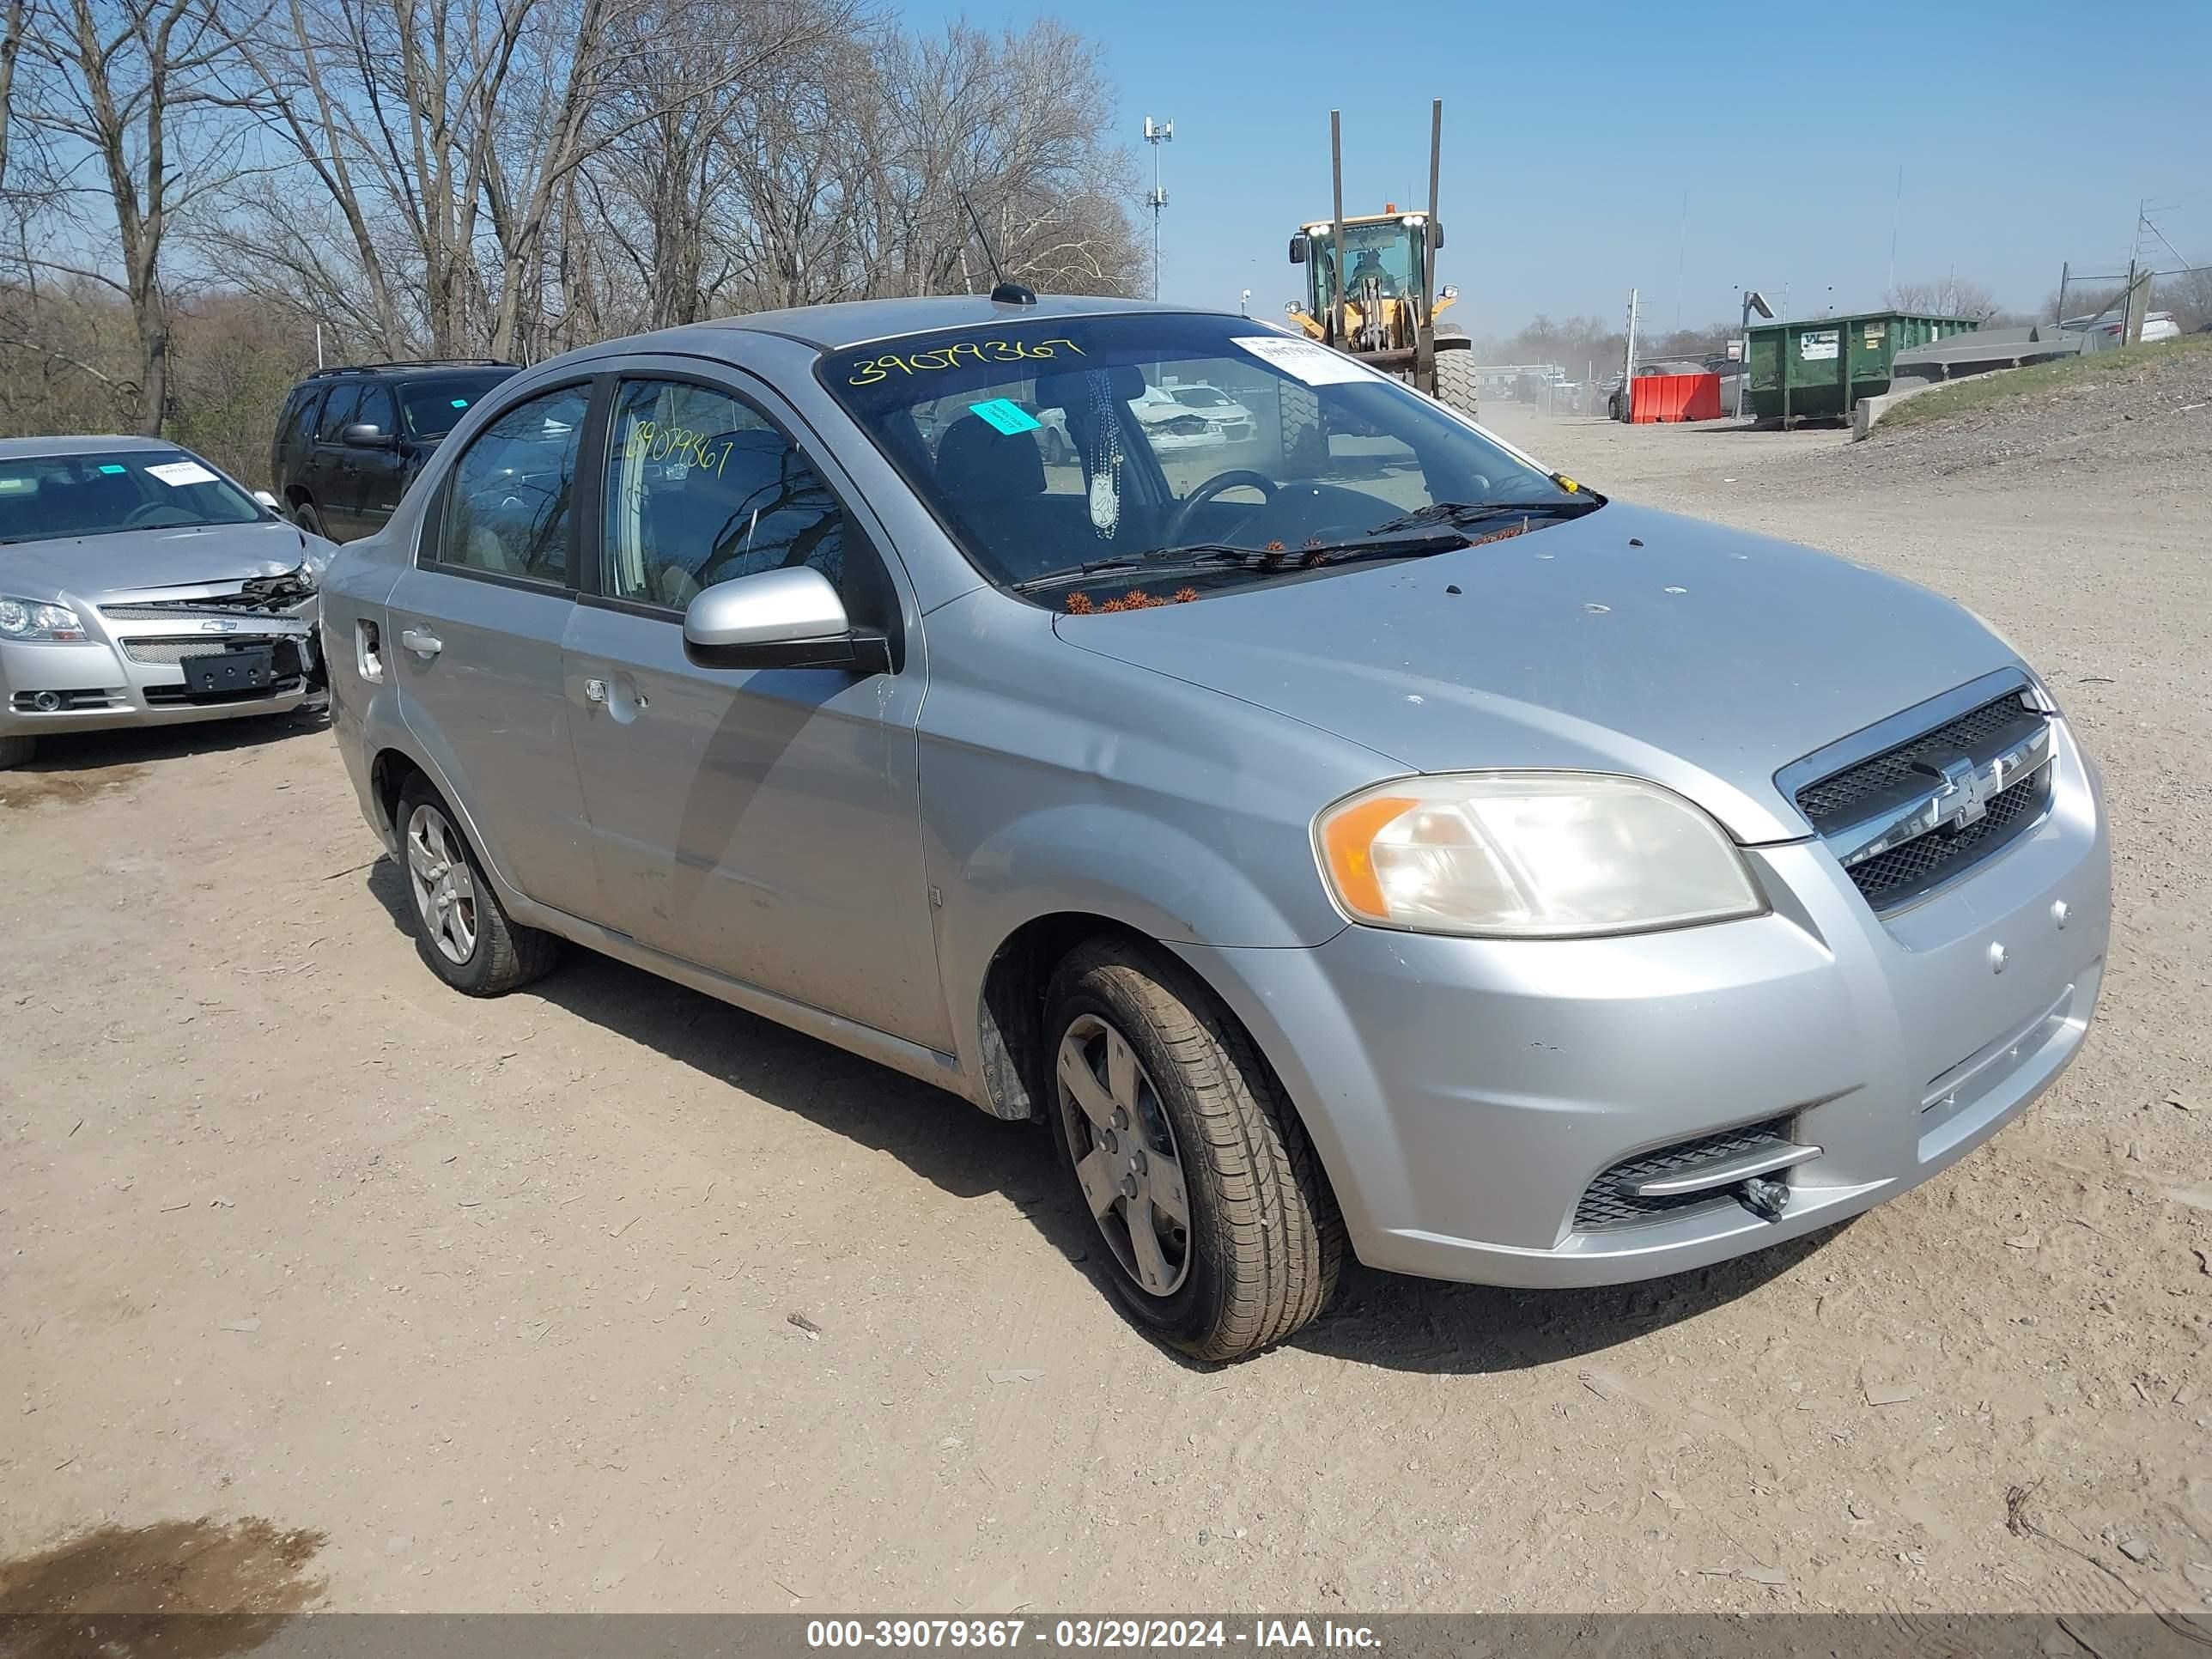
(2028, 134)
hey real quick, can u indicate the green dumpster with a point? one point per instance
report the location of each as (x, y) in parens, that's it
(1818, 368)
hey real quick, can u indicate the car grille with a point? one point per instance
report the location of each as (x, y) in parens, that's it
(1894, 776)
(1608, 1203)
(1920, 864)
(195, 645)
(1835, 800)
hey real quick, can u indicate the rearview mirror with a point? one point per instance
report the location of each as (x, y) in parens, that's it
(365, 434)
(788, 618)
(1298, 250)
(269, 501)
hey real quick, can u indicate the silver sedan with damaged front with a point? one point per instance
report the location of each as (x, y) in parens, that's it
(1382, 846)
(139, 585)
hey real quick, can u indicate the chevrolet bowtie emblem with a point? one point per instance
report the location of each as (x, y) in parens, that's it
(1964, 798)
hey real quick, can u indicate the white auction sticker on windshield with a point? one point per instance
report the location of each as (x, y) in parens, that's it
(1305, 359)
(177, 474)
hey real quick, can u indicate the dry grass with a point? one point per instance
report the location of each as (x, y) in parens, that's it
(1993, 391)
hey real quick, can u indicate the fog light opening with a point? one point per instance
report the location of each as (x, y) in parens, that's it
(46, 701)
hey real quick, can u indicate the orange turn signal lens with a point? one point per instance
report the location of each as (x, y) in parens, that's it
(1347, 839)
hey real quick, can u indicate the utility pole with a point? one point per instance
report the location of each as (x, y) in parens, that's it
(1155, 134)
(1896, 207)
(1628, 367)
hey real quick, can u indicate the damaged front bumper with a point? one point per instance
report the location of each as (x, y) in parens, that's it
(219, 651)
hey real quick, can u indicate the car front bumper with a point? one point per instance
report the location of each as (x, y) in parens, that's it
(1464, 1094)
(130, 673)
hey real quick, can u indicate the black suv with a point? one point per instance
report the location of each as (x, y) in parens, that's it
(351, 439)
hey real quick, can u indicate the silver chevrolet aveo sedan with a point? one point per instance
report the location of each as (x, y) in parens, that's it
(1352, 837)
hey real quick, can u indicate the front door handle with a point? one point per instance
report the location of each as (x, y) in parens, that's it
(420, 642)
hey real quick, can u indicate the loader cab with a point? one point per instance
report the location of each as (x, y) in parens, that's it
(1389, 248)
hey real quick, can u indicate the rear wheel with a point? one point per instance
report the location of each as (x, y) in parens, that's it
(16, 751)
(461, 929)
(305, 516)
(1455, 382)
(1222, 1236)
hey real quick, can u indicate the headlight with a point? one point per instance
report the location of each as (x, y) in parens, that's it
(1529, 855)
(35, 619)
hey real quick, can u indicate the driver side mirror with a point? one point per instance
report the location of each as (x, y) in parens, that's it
(1298, 250)
(365, 434)
(788, 618)
(269, 501)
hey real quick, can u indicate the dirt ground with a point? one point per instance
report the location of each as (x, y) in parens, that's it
(459, 1305)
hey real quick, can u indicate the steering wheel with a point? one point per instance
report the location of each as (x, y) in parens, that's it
(1178, 522)
(147, 510)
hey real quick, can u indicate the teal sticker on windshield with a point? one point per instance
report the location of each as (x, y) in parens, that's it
(1007, 415)
(17, 486)
(460, 403)
(112, 468)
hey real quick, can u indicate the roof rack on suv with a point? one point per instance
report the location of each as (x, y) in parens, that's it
(414, 362)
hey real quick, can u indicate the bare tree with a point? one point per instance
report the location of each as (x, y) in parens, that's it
(138, 86)
(1953, 295)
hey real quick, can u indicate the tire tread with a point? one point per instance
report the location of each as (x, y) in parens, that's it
(1285, 1246)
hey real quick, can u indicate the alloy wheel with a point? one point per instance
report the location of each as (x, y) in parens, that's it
(1125, 1155)
(444, 889)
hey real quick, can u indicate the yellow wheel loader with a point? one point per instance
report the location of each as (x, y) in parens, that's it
(1370, 286)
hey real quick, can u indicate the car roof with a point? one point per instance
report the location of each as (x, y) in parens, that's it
(857, 322)
(31, 449)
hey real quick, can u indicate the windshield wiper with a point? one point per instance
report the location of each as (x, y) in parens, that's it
(1199, 555)
(1192, 557)
(1461, 514)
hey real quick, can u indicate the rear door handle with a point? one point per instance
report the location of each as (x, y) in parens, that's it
(421, 643)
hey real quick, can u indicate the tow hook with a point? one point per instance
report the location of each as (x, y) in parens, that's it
(1763, 1198)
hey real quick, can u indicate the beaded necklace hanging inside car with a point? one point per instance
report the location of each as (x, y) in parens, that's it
(1105, 457)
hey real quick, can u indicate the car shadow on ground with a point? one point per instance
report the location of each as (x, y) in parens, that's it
(939, 1136)
(1378, 1319)
(1404, 1324)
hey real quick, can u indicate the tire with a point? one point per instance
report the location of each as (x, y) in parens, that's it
(1456, 382)
(1305, 443)
(467, 940)
(16, 751)
(308, 519)
(1151, 1083)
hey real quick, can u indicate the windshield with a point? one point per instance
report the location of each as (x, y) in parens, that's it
(47, 497)
(430, 408)
(1045, 446)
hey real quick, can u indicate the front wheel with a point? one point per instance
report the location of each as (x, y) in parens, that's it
(1221, 1234)
(461, 928)
(1456, 387)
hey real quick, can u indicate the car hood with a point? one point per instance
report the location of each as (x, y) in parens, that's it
(1628, 641)
(144, 562)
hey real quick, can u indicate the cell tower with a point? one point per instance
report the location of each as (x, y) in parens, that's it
(1155, 134)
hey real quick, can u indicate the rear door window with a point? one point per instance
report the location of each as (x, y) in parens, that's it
(510, 506)
(299, 416)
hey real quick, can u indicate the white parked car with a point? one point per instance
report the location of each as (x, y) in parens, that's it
(1235, 422)
(1169, 425)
